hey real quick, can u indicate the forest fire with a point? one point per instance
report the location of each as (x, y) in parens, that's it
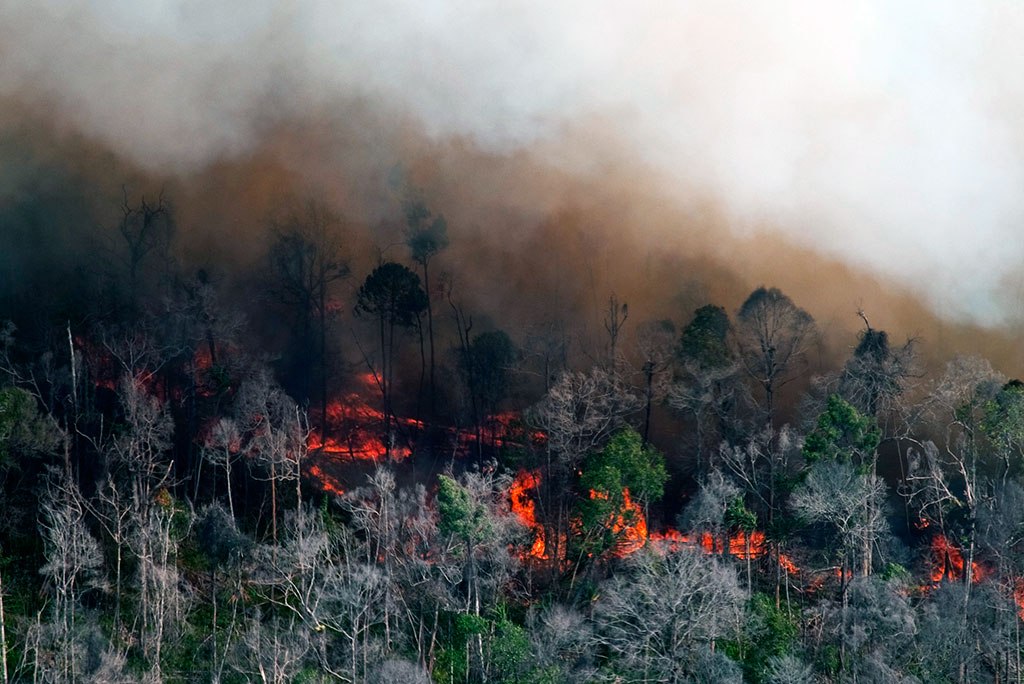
(328, 483)
(353, 427)
(630, 525)
(736, 545)
(947, 562)
(525, 509)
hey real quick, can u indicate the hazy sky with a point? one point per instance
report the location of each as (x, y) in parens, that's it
(887, 133)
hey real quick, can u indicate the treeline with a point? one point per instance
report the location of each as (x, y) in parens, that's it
(692, 501)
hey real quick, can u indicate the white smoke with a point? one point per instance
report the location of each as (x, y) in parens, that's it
(887, 134)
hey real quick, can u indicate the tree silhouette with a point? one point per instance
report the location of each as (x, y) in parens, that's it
(392, 295)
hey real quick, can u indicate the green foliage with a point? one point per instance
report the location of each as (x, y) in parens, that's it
(506, 646)
(23, 429)
(841, 434)
(895, 572)
(624, 465)
(739, 517)
(704, 340)
(1003, 419)
(770, 632)
(626, 462)
(458, 514)
(510, 651)
(450, 665)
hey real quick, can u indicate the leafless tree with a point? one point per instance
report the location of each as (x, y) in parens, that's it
(654, 341)
(221, 449)
(73, 565)
(656, 617)
(951, 479)
(773, 336)
(274, 431)
(271, 651)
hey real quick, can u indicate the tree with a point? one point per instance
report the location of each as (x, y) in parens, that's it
(1003, 424)
(486, 366)
(657, 618)
(945, 484)
(274, 431)
(877, 375)
(842, 433)
(838, 494)
(615, 317)
(580, 412)
(706, 383)
(426, 236)
(392, 295)
(617, 484)
(654, 342)
(73, 565)
(306, 259)
(772, 338)
(147, 230)
(221, 449)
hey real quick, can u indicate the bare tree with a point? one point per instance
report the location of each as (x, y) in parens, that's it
(272, 651)
(221, 449)
(654, 341)
(580, 412)
(773, 336)
(73, 565)
(275, 433)
(654, 618)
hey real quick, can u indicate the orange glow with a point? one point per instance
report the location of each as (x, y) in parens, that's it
(1018, 597)
(737, 545)
(948, 562)
(787, 564)
(354, 426)
(525, 509)
(327, 483)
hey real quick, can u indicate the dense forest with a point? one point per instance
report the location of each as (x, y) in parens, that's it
(354, 474)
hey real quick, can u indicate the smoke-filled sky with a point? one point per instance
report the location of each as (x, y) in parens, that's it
(884, 134)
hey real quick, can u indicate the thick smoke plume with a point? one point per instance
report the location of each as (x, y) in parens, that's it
(844, 151)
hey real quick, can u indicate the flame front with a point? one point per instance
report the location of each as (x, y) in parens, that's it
(525, 509)
(948, 562)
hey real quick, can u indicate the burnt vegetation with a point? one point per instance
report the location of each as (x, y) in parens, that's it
(356, 472)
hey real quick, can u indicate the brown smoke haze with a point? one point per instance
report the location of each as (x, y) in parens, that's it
(863, 158)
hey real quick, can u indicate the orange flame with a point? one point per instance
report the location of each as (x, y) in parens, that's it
(948, 562)
(329, 483)
(525, 509)
(735, 545)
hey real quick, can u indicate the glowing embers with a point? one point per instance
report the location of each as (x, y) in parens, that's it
(737, 545)
(327, 482)
(947, 562)
(526, 510)
(354, 427)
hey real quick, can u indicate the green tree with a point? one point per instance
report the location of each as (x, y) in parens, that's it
(706, 382)
(23, 428)
(842, 433)
(704, 340)
(625, 472)
(1003, 423)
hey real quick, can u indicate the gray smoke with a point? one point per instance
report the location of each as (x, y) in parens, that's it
(884, 134)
